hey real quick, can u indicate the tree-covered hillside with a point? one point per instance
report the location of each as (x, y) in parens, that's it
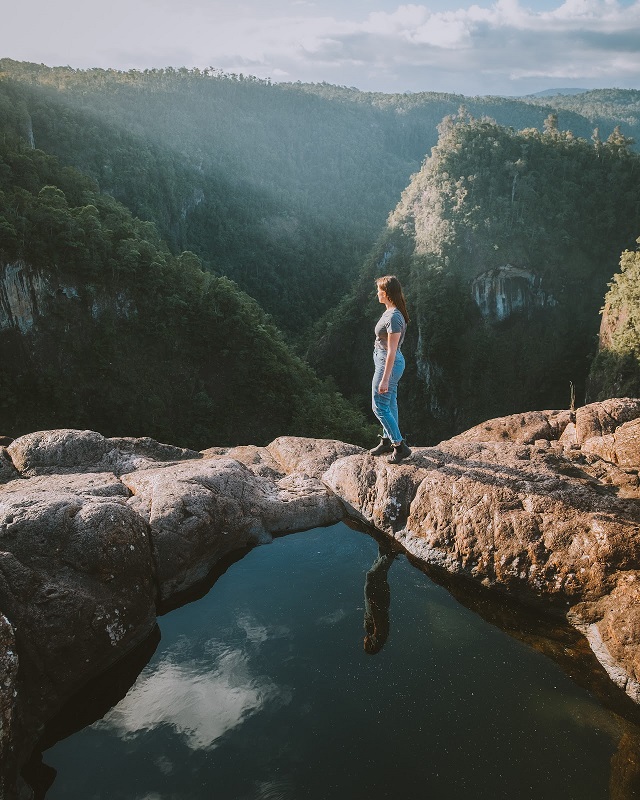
(102, 327)
(282, 187)
(505, 242)
(615, 371)
(602, 107)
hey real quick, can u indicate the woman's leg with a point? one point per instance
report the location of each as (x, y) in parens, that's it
(385, 406)
(396, 374)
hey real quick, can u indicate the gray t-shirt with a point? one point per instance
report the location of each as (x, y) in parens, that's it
(391, 321)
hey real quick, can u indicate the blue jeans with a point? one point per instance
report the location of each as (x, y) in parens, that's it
(385, 406)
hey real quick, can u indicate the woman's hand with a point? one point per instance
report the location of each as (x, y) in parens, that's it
(383, 386)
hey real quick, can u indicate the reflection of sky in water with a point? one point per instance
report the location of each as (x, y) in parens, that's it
(200, 699)
(261, 690)
(333, 618)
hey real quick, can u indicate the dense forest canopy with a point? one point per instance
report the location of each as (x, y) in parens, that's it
(130, 339)
(615, 371)
(284, 191)
(282, 187)
(505, 241)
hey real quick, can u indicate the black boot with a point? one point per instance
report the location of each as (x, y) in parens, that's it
(400, 452)
(383, 447)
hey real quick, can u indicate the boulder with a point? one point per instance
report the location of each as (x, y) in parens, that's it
(7, 471)
(201, 510)
(67, 450)
(520, 428)
(553, 525)
(76, 582)
(600, 419)
(310, 457)
(48, 452)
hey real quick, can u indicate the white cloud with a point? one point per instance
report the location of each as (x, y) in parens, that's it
(472, 48)
(200, 700)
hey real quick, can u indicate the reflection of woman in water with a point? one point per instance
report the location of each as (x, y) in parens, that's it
(377, 599)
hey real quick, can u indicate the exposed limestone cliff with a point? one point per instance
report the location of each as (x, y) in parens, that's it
(503, 291)
(95, 532)
(22, 295)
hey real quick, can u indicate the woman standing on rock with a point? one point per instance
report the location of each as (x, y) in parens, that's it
(389, 366)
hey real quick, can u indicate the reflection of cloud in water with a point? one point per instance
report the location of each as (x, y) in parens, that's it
(200, 700)
(333, 619)
(281, 789)
(257, 633)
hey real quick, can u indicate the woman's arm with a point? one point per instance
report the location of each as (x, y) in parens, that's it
(393, 340)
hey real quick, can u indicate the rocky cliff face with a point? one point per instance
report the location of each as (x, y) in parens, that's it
(23, 296)
(616, 369)
(96, 532)
(26, 295)
(501, 292)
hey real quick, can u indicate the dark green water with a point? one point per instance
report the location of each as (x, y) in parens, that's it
(262, 690)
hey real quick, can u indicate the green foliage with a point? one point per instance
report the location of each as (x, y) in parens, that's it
(282, 188)
(548, 204)
(132, 340)
(615, 371)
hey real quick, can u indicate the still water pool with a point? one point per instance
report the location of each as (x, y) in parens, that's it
(263, 690)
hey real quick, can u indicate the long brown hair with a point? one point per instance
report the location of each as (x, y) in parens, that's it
(390, 285)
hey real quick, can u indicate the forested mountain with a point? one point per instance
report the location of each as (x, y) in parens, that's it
(615, 371)
(505, 241)
(282, 187)
(602, 107)
(102, 327)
